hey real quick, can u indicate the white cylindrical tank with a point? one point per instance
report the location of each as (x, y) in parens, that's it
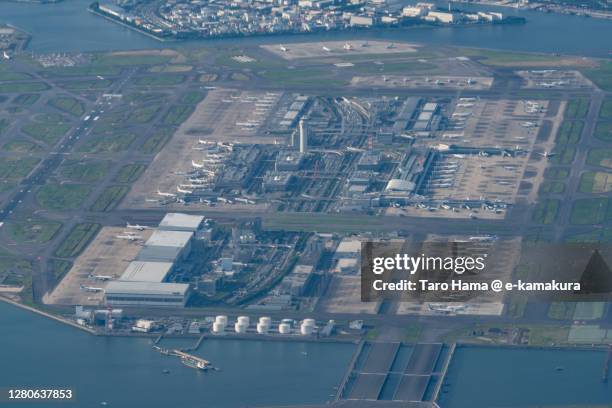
(306, 330)
(222, 319)
(265, 320)
(240, 328)
(244, 320)
(262, 328)
(284, 328)
(307, 327)
(218, 327)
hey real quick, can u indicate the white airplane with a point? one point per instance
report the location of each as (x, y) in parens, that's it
(129, 237)
(196, 164)
(91, 289)
(348, 47)
(136, 227)
(101, 277)
(5, 55)
(165, 194)
(283, 48)
(529, 124)
(180, 190)
(326, 49)
(546, 154)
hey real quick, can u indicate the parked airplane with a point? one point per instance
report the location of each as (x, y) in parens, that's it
(546, 154)
(101, 277)
(5, 55)
(165, 194)
(129, 237)
(283, 48)
(348, 47)
(136, 227)
(180, 190)
(326, 49)
(91, 289)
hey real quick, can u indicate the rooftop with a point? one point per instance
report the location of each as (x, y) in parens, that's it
(183, 221)
(146, 288)
(169, 238)
(146, 271)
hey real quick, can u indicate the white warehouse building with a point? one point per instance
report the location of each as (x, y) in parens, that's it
(166, 246)
(129, 293)
(139, 271)
(181, 222)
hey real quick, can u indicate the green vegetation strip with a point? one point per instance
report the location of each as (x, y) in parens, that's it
(62, 196)
(68, 105)
(13, 168)
(546, 211)
(77, 240)
(110, 198)
(577, 108)
(589, 211)
(86, 171)
(129, 173)
(32, 230)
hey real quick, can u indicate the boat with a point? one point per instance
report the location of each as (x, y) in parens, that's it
(198, 364)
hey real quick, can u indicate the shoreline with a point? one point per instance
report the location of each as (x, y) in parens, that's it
(283, 338)
(414, 24)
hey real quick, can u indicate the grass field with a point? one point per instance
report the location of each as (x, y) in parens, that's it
(606, 109)
(564, 154)
(21, 146)
(595, 182)
(22, 87)
(192, 97)
(86, 84)
(127, 59)
(112, 142)
(68, 104)
(59, 267)
(160, 80)
(570, 132)
(129, 173)
(26, 99)
(110, 198)
(4, 123)
(14, 168)
(85, 171)
(546, 211)
(552, 187)
(62, 196)
(48, 128)
(577, 108)
(603, 131)
(177, 115)
(157, 140)
(144, 114)
(77, 240)
(600, 157)
(601, 76)
(32, 230)
(589, 211)
(515, 59)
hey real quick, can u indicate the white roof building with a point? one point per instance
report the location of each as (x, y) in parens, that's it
(142, 271)
(181, 222)
(128, 293)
